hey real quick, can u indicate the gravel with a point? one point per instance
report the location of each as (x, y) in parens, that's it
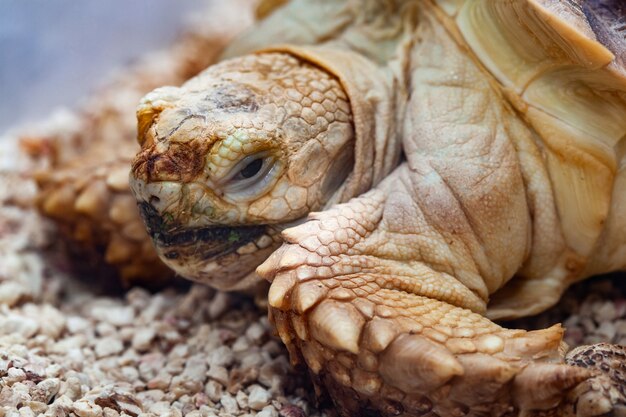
(68, 347)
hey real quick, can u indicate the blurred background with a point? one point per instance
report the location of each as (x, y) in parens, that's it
(53, 53)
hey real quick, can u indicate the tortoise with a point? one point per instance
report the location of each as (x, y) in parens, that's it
(404, 173)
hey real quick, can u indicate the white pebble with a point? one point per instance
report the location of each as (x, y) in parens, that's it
(256, 332)
(84, 408)
(47, 389)
(268, 411)
(214, 390)
(109, 412)
(16, 324)
(14, 395)
(63, 402)
(221, 356)
(76, 324)
(252, 360)
(229, 403)
(149, 397)
(15, 375)
(105, 329)
(241, 344)
(172, 412)
(160, 407)
(115, 315)
(53, 370)
(130, 373)
(26, 412)
(37, 407)
(195, 368)
(11, 292)
(218, 373)
(71, 388)
(607, 330)
(51, 321)
(160, 381)
(108, 346)
(242, 399)
(604, 312)
(143, 338)
(64, 345)
(258, 397)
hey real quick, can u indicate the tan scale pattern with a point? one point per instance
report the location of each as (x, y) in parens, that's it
(381, 345)
(300, 110)
(96, 212)
(195, 138)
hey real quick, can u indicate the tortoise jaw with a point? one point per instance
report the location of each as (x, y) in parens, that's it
(222, 257)
(206, 243)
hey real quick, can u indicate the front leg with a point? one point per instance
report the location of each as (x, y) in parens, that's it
(388, 331)
(384, 297)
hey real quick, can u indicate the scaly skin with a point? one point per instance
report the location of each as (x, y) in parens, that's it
(499, 204)
(290, 118)
(94, 210)
(383, 297)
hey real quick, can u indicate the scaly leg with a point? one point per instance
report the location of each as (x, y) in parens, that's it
(393, 336)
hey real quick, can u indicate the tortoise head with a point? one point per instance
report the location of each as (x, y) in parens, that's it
(232, 157)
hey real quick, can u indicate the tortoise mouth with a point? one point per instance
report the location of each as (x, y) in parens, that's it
(179, 241)
(214, 241)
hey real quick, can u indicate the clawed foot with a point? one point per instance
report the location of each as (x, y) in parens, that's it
(380, 347)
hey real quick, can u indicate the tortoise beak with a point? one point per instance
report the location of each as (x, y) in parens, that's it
(176, 241)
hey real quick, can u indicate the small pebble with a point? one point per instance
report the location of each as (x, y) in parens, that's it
(218, 373)
(108, 346)
(214, 390)
(258, 397)
(114, 315)
(143, 338)
(229, 403)
(607, 331)
(84, 408)
(11, 292)
(605, 311)
(76, 324)
(268, 411)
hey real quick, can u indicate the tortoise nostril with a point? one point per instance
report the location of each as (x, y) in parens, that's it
(154, 200)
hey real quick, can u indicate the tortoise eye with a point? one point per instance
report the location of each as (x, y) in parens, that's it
(251, 176)
(251, 169)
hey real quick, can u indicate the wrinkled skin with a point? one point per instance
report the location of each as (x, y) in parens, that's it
(231, 161)
(509, 179)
